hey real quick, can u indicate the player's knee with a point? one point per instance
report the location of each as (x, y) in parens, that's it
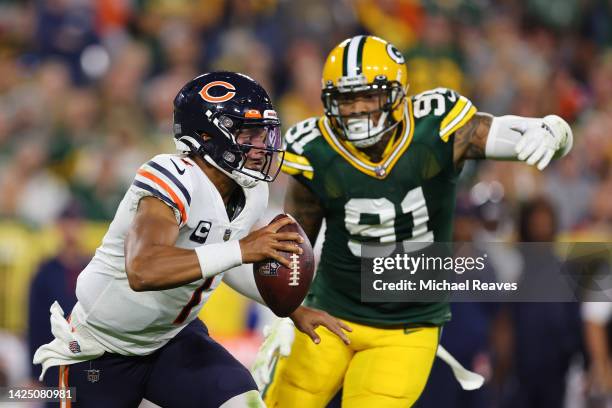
(407, 391)
(316, 373)
(377, 400)
(314, 381)
(249, 399)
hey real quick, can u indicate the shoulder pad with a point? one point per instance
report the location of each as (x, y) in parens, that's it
(295, 140)
(302, 133)
(453, 110)
(164, 177)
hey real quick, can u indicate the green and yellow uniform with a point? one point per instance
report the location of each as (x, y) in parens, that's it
(408, 195)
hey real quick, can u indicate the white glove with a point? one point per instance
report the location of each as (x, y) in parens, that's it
(279, 337)
(539, 144)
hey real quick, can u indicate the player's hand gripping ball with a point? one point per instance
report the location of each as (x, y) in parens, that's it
(283, 289)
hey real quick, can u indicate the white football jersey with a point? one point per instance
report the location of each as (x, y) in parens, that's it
(136, 323)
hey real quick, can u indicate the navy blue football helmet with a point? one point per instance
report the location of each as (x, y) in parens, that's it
(212, 109)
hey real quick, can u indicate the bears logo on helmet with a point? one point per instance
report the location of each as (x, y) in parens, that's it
(229, 94)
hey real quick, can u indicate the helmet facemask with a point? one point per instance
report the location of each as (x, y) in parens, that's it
(363, 129)
(260, 147)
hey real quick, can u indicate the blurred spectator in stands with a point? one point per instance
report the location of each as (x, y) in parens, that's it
(77, 126)
(112, 19)
(98, 188)
(302, 99)
(598, 225)
(547, 335)
(56, 280)
(14, 363)
(121, 89)
(436, 60)
(596, 146)
(180, 47)
(399, 22)
(601, 81)
(566, 179)
(25, 183)
(158, 99)
(64, 29)
(33, 102)
(598, 340)
(568, 95)
(241, 52)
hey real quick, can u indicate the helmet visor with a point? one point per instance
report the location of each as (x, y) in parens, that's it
(261, 151)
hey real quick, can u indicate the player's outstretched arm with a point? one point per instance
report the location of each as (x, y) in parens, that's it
(304, 206)
(153, 262)
(471, 139)
(535, 141)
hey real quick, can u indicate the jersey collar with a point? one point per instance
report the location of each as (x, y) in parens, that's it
(350, 153)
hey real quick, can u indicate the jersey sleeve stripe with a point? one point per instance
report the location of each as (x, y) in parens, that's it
(309, 174)
(289, 170)
(168, 190)
(467, 112)
(345, 60)
(455, 110)
(156, 193)
(172, 178)
(297, 166)
(296, 159)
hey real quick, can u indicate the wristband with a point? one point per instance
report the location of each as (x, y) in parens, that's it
(218, 257)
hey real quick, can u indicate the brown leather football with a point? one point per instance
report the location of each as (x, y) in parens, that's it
(283, 289)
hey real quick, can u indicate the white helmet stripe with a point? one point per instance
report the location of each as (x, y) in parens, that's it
(352, 57)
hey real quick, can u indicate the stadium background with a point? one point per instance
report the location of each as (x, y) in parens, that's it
(86, 89)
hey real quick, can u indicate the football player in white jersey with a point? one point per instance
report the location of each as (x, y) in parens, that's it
(181, 228)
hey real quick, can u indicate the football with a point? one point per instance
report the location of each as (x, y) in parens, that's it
(283, 289)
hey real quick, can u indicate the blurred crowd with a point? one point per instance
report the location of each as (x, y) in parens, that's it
(86, 86)
(86, 90)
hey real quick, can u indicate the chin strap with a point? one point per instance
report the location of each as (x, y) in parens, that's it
(242, 180)
(187, 144)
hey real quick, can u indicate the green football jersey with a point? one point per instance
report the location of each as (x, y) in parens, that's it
(408, 196)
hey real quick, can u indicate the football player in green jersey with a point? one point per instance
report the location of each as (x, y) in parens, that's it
(380, 167)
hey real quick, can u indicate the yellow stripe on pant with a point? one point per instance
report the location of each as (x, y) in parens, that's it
(380, 368)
